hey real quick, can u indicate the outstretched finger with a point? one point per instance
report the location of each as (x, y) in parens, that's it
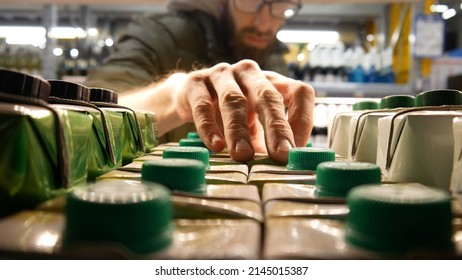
(233, 108)
(268, 103)
(203, 111)
(299, 97)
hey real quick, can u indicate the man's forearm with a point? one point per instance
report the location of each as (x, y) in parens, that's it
(158, 98)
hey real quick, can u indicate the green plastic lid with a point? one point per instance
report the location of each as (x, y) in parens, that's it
(366, 105)
(103, 95)
(335, 179)
(439, 97)
(187, 175)
(135, 214)
(69, 90)
(394, 219)
(307, 158)
(22, 84)
(397, 101)
(198, 153)
(192, 142)
(193, 135)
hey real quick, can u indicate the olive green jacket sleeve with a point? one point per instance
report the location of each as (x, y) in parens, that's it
(156, 45)
(152, 47)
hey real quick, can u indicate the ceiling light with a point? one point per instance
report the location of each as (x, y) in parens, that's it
(438, 8)
(308, 36)
(449, 14)
(67, 33)
(23, 35)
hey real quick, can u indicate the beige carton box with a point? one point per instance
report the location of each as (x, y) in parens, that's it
(308, 238)
(219, 201)
(297, 228)
(38, 234)
(215, 174)
(289, 200)
(261, 174)
(417, 146)
(456, 177)
(339, 132)
(363, 136)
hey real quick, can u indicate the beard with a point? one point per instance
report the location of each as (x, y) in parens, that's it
(239, 50)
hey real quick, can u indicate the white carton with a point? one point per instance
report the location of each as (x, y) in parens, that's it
(417, 146)
(363, 136)
(456, 178)
(339, 132)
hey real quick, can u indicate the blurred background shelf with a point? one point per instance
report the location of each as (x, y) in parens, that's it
(360, 90)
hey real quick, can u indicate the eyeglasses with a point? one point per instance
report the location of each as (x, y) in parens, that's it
(281, 9)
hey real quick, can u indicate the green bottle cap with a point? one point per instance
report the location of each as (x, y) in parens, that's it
(365, 105)
(187, 175)
(198, 153)
(69, 90)
(397, 101)
(394, 219)
(335, 179)
(21, 84)
(307, 158)
(103, 95)
(439, 97)
(193, 135)
(137, 215)
(192, 142)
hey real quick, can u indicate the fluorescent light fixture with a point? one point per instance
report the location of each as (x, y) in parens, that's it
(449, 14)
(308, 36)
(33, 31)
(67, 33)
(439, 8)
(23, 35)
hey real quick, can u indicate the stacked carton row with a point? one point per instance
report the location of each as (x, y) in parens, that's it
(181, 201)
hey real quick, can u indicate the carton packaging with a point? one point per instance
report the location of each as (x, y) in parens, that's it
(140, 126)
(42, 154)
(38, 234)
(300, 231)
(456, 177)
(105, 145)
(363, 136)
(215, 174)
(339, 132)
(418, 146)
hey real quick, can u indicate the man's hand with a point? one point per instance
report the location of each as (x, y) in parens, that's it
(243, 108)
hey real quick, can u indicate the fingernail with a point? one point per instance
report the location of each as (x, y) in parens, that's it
(284, 146)
(242, 146)
(215, 139)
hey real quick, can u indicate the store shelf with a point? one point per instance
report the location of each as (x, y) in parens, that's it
(370, 90)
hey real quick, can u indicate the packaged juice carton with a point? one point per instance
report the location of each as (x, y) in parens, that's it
(417, 145)
(105, 147)
(42, 154)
